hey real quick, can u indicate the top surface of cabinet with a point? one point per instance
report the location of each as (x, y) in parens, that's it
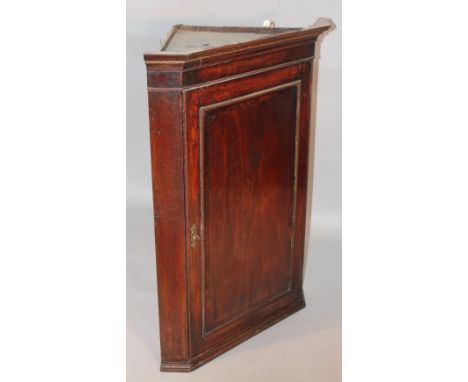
(193, 47)
(190, 38)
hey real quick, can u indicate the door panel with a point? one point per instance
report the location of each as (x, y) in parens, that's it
(248, 164)
(242, 163)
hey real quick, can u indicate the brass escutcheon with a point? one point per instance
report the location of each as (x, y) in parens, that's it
(194, 237)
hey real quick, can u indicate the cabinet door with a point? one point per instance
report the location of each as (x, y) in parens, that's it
(246, 180)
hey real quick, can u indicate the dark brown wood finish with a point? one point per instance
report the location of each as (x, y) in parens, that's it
(229, 133)
(169, 221)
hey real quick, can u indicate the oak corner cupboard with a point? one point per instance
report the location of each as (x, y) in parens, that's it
(230, 112)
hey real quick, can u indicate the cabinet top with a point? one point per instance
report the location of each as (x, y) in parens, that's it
(187, 43)
(191, 38)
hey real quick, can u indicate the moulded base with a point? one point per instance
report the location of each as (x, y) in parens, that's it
(221, 348)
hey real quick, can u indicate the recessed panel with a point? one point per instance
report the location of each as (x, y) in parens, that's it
(248, 161)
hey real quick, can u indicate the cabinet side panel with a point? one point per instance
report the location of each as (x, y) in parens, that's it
(167, 153)
(302, 179)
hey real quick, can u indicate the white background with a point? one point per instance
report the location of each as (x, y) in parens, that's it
(62, 218)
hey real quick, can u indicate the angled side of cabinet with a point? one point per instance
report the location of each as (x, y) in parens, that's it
(229, 127)
(167, 162)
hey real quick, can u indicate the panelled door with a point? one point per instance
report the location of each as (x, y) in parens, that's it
(246, 146)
